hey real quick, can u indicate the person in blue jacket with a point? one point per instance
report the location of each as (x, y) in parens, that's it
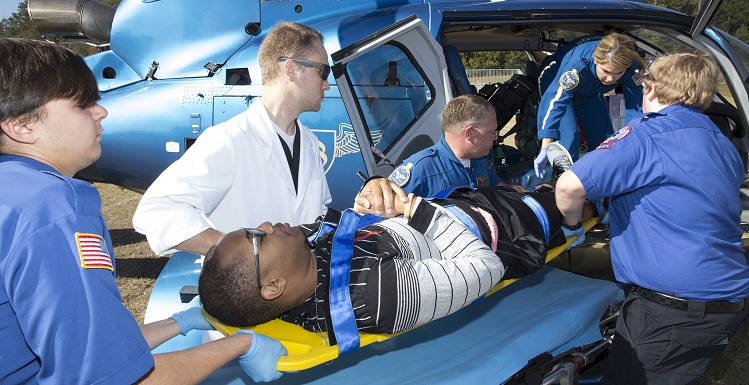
(674, 216)
(62, 320)
(572, 84)
(462, 157)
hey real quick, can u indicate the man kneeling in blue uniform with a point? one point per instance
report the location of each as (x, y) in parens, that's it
(438, 257)
(463, 155)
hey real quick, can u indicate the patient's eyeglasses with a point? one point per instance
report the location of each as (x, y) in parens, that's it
(253, 234)
(322, 67)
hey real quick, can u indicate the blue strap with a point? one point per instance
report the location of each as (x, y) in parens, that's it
(325, 227)
(540, 214)
(445, 193)
(341, 311)
(463, 217)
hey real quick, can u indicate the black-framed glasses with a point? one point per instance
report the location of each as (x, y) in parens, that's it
(494, 133)
(253, 234)
(322, 67)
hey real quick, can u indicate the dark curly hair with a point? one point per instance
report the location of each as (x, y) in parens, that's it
(230, 294)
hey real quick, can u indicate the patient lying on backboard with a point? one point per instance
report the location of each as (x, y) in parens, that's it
(433, 259)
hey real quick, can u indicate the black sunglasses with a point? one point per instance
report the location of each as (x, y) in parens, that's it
(252, 235)
(323, 68)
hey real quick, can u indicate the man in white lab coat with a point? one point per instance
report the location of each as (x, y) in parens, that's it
(261, 165)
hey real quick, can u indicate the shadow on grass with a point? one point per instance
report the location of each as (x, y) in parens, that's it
(124, 237)
(140, 267)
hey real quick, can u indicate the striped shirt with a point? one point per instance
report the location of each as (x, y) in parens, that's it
(402, 277)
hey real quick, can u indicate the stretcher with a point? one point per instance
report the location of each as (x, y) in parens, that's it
(548, 311)
(307, 349)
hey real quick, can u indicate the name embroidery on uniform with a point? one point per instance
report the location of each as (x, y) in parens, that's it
(569, 80)
(619, 135)
(482, 181)
(92, 250)
(401, 175)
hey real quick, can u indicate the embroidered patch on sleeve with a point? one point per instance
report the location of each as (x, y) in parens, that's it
(569, 80)
(401, 175)
(92, 249)
(637, 78)
(619, 135)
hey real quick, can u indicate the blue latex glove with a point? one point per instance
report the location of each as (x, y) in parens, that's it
(260, 361)
(192, 318)
(540, 162)
(579, 233)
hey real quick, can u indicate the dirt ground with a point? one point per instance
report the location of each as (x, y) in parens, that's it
(138, 267)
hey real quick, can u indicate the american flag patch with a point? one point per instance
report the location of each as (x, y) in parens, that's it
(637, 78)
(92, 249)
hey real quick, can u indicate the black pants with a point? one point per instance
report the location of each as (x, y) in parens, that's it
(659, 345)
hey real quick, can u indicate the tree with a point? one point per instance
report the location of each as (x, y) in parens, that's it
(731, 16)
(19, 24)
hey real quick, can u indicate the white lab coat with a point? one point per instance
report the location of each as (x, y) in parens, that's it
(235, 175)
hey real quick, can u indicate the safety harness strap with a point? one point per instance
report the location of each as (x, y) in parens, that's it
(463, 218)
(540, 214)
(341, 311)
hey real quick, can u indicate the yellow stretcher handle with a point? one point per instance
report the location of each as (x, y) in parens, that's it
(307, 349)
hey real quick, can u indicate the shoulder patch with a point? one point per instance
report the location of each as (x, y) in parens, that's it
(92, 250)
(569, 80)
(401, 175)
(637, 78)
(619, 135)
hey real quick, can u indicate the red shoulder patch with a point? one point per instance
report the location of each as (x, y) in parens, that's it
(619, 135)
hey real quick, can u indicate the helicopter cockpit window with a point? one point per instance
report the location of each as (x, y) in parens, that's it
(391, 92)
(667, 44)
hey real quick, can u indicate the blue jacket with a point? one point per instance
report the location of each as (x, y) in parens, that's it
(436, 168)
(62, 320)
(569, 74)
(673, 179)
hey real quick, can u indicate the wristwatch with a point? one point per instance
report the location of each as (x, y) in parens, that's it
(575, 227)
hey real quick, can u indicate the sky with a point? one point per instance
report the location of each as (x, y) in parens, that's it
(7, 7)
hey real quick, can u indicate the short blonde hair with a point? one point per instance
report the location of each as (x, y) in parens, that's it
(618, 50)
(464, 110)
(287, 39)
(688, 79)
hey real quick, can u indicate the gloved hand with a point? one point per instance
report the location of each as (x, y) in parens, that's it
(576, 231)
(260, 361)
(192, 318)
(540, 162)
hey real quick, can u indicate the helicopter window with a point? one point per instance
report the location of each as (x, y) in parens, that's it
(109, 73)
(238, 77)
(666, 44)
(391, 92)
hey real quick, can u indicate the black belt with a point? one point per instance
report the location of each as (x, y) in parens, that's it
(683, 304)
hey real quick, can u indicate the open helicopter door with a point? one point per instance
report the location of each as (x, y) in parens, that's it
(395, 85)
(705, 14)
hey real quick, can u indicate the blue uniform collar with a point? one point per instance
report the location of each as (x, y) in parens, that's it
(443, 148)
(670, 109)
(35, 164)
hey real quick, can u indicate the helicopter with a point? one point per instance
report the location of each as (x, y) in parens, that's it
(167, 70)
